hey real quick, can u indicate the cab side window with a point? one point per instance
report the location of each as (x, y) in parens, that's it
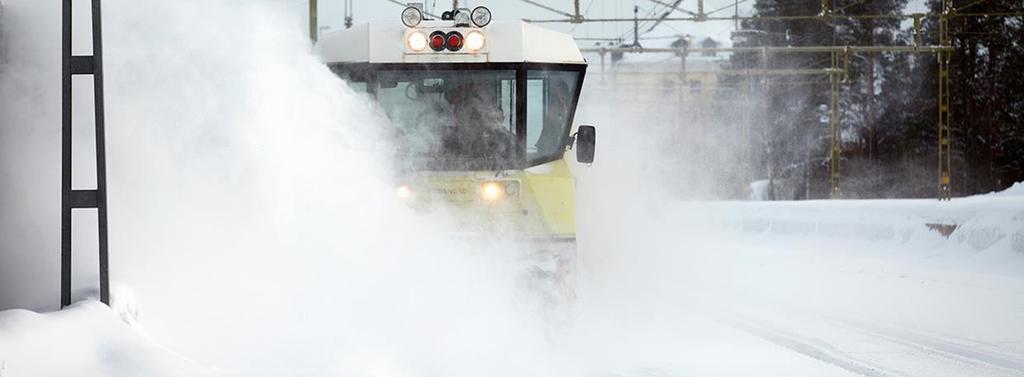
(550, 98)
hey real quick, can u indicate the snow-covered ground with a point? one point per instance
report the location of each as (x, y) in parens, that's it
(811, 288)
(712, 289)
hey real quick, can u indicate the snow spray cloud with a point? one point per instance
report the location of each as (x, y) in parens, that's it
(658, 142)
(253, 226)
(635, 256)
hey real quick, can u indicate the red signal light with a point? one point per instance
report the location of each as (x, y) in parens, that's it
(454, 41)
(437, 41)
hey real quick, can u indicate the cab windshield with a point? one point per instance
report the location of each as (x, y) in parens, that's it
(472, 119)
(462, 120)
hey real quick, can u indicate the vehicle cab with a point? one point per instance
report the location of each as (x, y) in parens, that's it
(481, 115)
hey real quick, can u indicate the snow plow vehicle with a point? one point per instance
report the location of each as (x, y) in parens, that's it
(482, 118)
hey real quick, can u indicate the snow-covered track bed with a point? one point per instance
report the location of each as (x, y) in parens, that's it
(979, 354)
(863, 347)
(811, 347)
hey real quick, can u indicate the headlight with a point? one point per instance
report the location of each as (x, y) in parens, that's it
(496, 190)
(404, 192)
(474, 41)
(417, 41)
(491, 191)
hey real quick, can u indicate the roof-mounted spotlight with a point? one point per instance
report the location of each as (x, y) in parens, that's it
(461, 18)
(412, 16)
(481, 16)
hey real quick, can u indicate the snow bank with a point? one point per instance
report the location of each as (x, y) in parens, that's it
(87, 339)
(992, 223)
(1016, 190)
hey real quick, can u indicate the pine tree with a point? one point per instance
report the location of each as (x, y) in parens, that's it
(889, 100)
(987, 74)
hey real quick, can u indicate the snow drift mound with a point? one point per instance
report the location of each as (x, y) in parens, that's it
(88, 339)
(1016, 190)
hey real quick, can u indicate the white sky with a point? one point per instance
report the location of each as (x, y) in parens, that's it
(332, 14)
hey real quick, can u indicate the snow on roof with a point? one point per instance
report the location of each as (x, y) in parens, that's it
(507, 42)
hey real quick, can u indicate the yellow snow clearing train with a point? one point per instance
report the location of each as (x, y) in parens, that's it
(481, 114)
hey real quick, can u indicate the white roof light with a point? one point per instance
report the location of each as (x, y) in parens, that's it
(412, 16)
(481, 16)
(461, 17)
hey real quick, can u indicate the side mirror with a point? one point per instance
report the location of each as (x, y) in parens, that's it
(586, 138)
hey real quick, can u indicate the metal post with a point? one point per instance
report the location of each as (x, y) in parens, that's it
(836, 149)
(313, 28)
(768, 137)
(72, 199)
(748, 119)
(101, 150)
(917, 29)
(348, 14)
(736, 4)
(683, 91)
(65, 176)
(945, 112)
(872, 165)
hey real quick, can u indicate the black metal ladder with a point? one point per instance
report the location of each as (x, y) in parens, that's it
(72, 199)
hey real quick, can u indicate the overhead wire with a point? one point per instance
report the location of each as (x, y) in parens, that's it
(670, 8)
(725, 7)
(647, 19)
(585, 11)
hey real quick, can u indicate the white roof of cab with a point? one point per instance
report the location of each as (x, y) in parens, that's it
(507, 42)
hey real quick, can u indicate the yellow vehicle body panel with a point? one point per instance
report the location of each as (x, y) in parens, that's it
(553, 188)
(537, 202)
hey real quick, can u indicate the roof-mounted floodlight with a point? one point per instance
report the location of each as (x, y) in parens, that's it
(481, 16)
(412, 16)
(461, 17)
